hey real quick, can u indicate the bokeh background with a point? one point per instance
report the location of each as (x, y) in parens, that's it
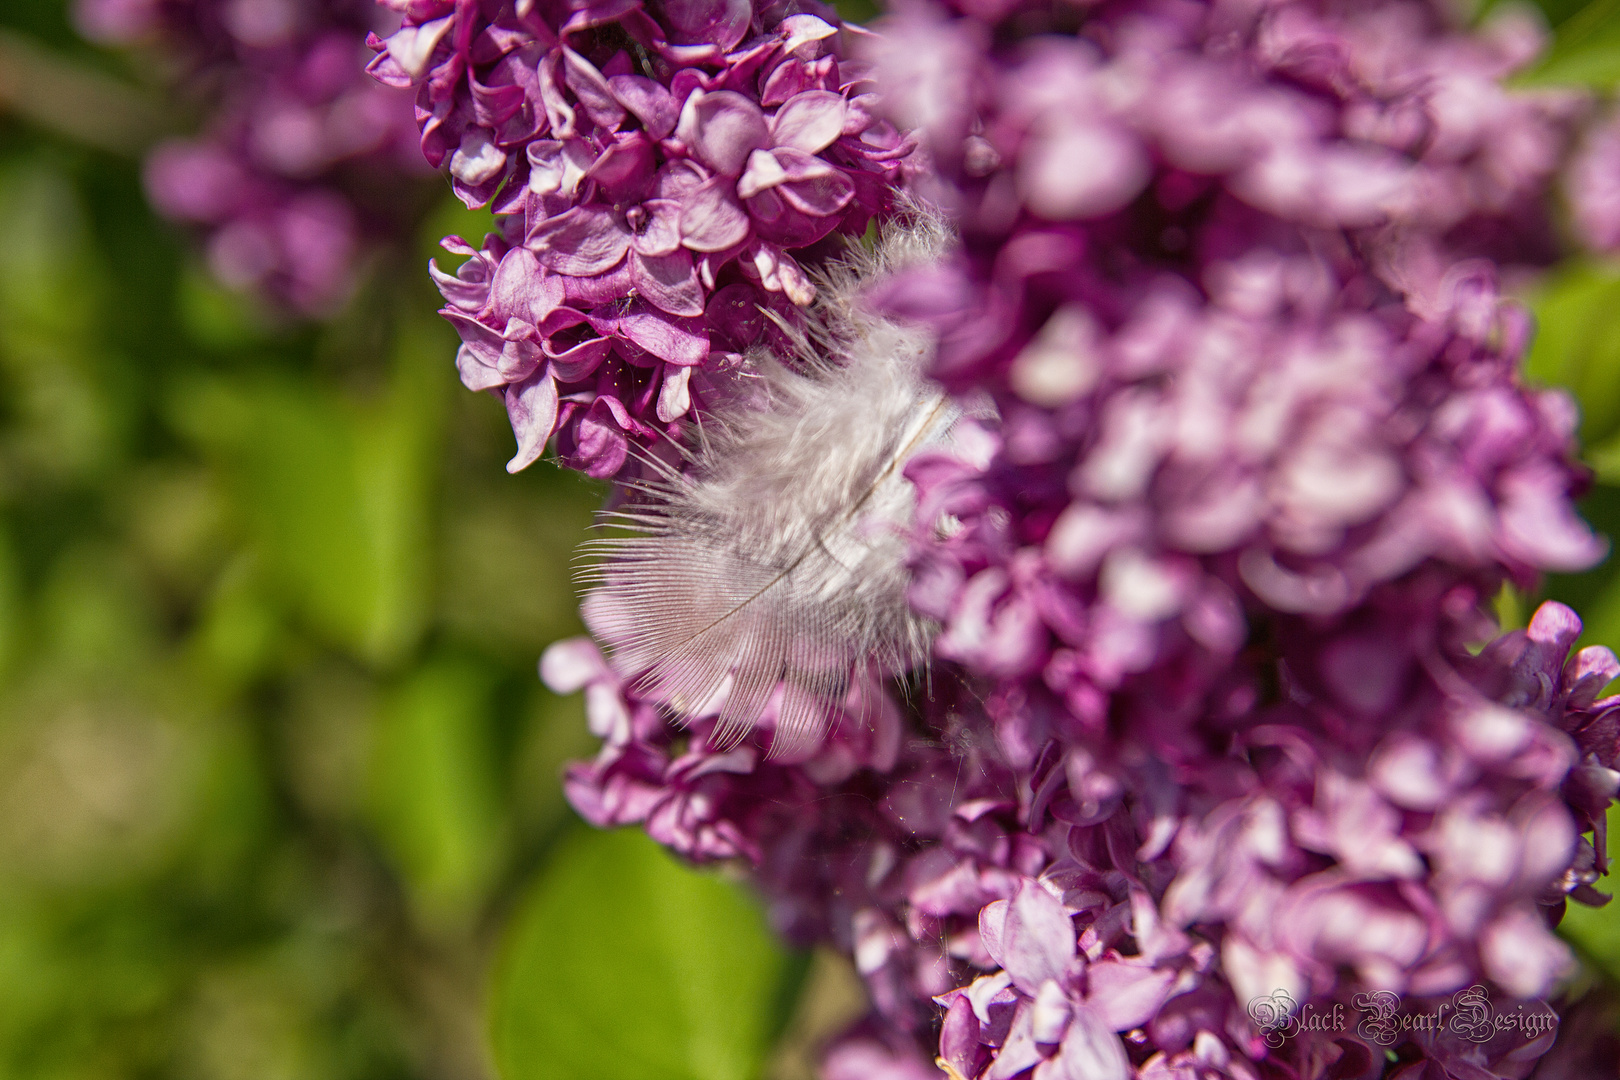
(278, 784)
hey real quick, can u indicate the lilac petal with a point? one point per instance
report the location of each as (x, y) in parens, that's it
(796, 76)
(680, 341)
(779, 272)
(566, 666)
(801, 30)
(1050, 1017)
(411, 47)
(457, 291)
(1548, 840)
(478, 358)
(763, 172)
(1539, 525)
(599, 446)
(522, 290)
(1589, 671)
(532, 407)
(721, 128)
(573, 364)
(1081, 170)
(1555, 625)
(668, 282)
(468, 288)
(649, 101)
(959, 1037)
(1090, 1051)
(678, 178)
(588, 292)
(582, 242)
(625, 168)
(813, 187)
(660, 230)
(712, 219)
(477, 160)
(988, 990)
(1038, 940)
(559, 114)
(592, 90)
(706, 22)
(475, 371)
(600, 13)
(1019, 1052)
(1126, 995)
(520, 353)
(809, 121)
(675, 396)
(557, 166)
(1522, 955)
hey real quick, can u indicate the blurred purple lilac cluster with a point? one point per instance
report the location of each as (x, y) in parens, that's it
(1213, 737)
(300, 159)
(661, 173)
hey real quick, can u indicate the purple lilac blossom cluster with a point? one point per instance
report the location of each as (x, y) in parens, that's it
(661, 174)
(1210, 720)
(300, 158)
(1118, 924)
(1594, 187)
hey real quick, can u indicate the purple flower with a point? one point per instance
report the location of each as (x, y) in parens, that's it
(1594, 187)
(301, 160)
(1210, 722)
(657, 172)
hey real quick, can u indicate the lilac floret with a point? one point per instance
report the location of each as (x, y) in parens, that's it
(657, 170)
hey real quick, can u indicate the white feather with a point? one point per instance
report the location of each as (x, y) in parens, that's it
(775, 563)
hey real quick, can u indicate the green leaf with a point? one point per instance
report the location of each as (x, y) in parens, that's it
(1585, 50)
(433, 789)
(1577, 346)
(625, 965)
(339, 493)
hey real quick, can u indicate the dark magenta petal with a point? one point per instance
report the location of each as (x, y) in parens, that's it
(651, 103)
(592, 90)
(680, 341)
(721, 23)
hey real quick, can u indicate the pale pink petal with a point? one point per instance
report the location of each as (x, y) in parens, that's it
(566, 666)
(721, 128)
(809, 121)
(675, 396)
(1081, 170)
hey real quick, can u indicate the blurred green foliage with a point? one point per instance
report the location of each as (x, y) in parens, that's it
(1585, 50)
(274, 763)
(626, 966)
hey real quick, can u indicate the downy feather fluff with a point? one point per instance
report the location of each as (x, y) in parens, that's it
(774, 562)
